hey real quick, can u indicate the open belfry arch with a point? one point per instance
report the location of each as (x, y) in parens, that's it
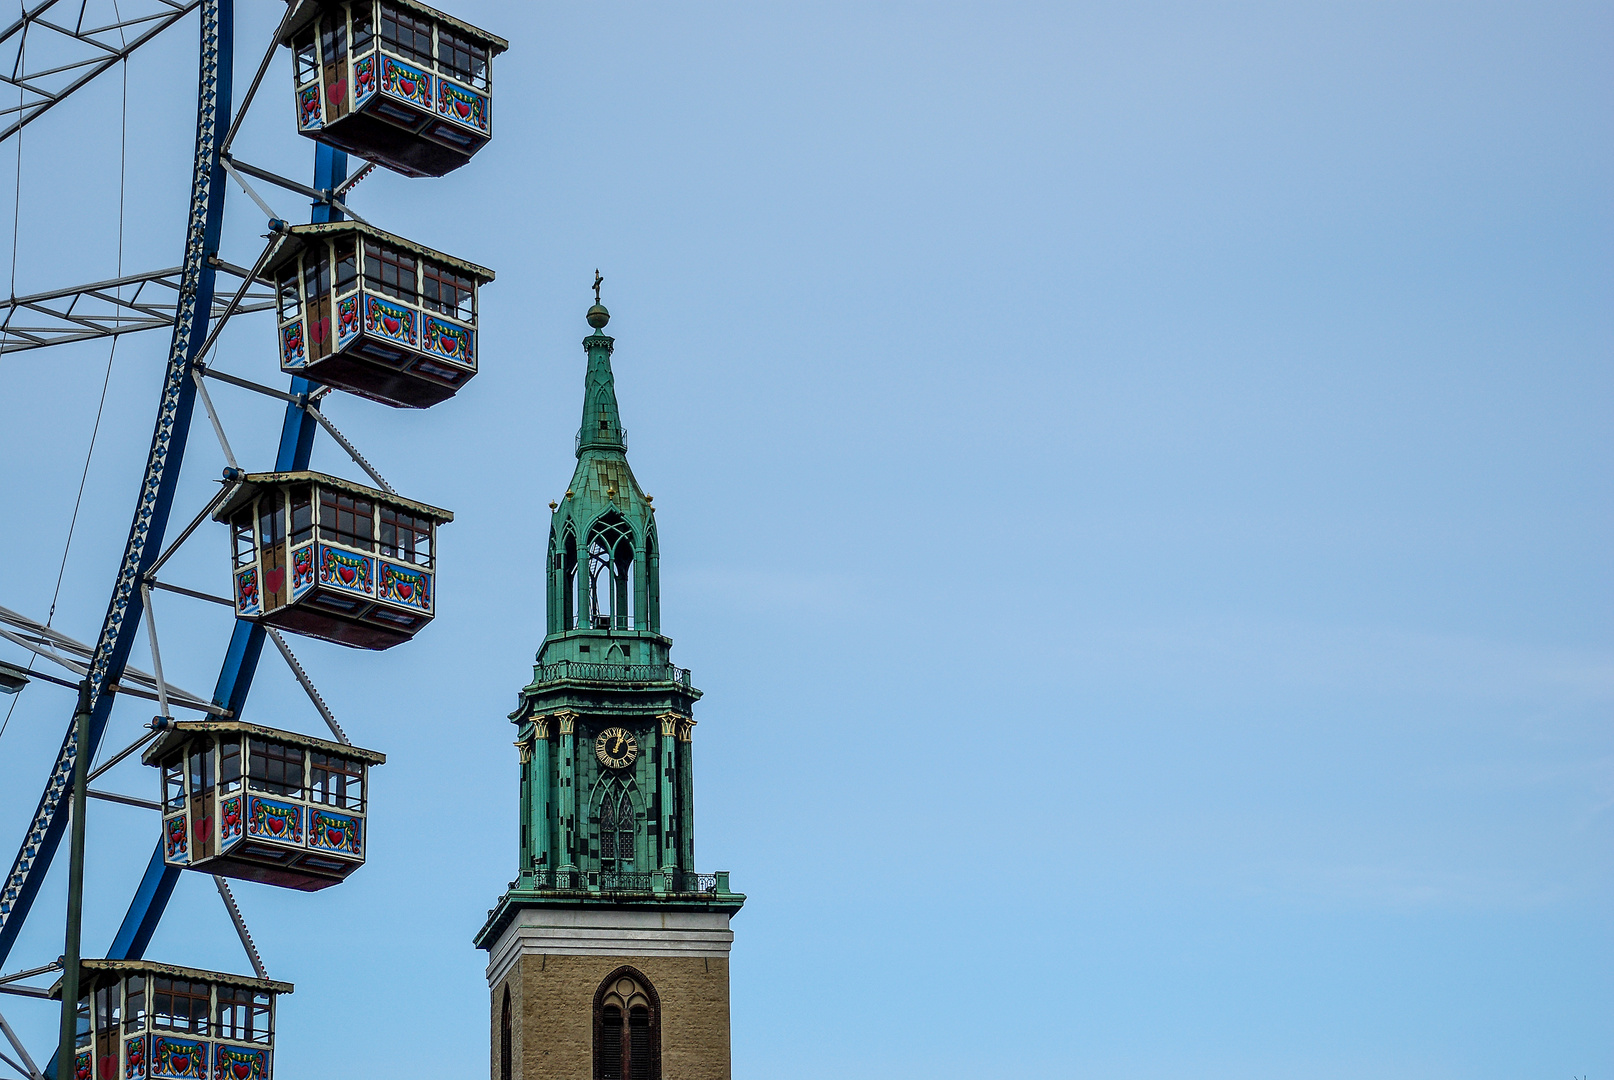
(608, 955)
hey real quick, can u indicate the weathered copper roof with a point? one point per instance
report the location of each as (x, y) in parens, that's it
(99, 972)
(295, 242)
(177, 730)
(252, 483)
(306, 11)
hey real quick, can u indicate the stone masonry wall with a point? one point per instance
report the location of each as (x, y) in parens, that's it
(552, 1002)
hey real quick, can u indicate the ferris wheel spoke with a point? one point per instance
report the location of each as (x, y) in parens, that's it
(185, 534)
(352, 451)
(212, 415)
(240, 926)
(257, 80)
(326, 197)
(192, 593)
(308, 687)
(26, 1068)
(124, 800)
(121, 754)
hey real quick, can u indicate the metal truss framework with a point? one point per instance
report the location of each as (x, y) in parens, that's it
(75, 656)
(55, 47)
(109, 308)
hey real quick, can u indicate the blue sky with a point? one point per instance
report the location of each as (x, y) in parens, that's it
(1134, 487)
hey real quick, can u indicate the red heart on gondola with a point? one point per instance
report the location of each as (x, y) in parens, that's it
(242, 1070)
(203, 826)
(334, 836)
(463, 108)
(405, 590)
(407, 86)
(134, 1059)
(336, 91)
(347, 574)
(180, 1062)
(273, 579)
(449, 345)
(276, 825)
(390, 323)
(109, 1068)
(320, 329)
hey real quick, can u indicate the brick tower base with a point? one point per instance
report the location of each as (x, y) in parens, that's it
(554, 963)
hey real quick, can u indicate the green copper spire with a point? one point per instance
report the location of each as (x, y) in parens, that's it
(605, 728)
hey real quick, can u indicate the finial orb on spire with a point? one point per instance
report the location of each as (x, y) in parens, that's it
(597, 315)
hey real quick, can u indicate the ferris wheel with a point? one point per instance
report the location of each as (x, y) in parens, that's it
(354, 309)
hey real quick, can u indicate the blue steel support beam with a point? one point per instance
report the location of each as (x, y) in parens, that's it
(163, 462)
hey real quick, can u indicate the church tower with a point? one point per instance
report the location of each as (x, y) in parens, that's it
(608, 957)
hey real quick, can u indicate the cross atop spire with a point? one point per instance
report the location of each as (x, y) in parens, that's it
(598, 281)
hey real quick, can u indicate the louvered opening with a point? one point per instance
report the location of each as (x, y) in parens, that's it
(640, 1057)
(608, 1050)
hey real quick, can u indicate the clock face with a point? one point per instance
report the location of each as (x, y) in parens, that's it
(616, 748)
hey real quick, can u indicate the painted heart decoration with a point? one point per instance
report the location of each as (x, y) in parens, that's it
(276, 825)
(450, 346)
(109, 1068)
(463, 108)
(273, 579)
(405, 590)
(180, 1062)
(390, 323)
(242, 1070)
(334, 836)
(320, 329)
(135, 1059)
(337, 91)
(407, 86)
(347, 574)
(203, 826)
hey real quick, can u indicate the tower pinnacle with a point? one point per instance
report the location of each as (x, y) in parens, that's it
(601, 428)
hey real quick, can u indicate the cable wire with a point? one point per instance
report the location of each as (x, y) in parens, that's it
(112, 352)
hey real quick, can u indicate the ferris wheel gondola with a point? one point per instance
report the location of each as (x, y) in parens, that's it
(451, 84)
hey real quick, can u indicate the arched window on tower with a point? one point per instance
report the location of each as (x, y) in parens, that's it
(618, 827)
(627, 1028)
(610, 573)
(566, 562)
(652, 578)
(506, 1064)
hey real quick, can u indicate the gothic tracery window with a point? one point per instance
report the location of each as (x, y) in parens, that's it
(617, 828)
(627, 1028)
(610, 573)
